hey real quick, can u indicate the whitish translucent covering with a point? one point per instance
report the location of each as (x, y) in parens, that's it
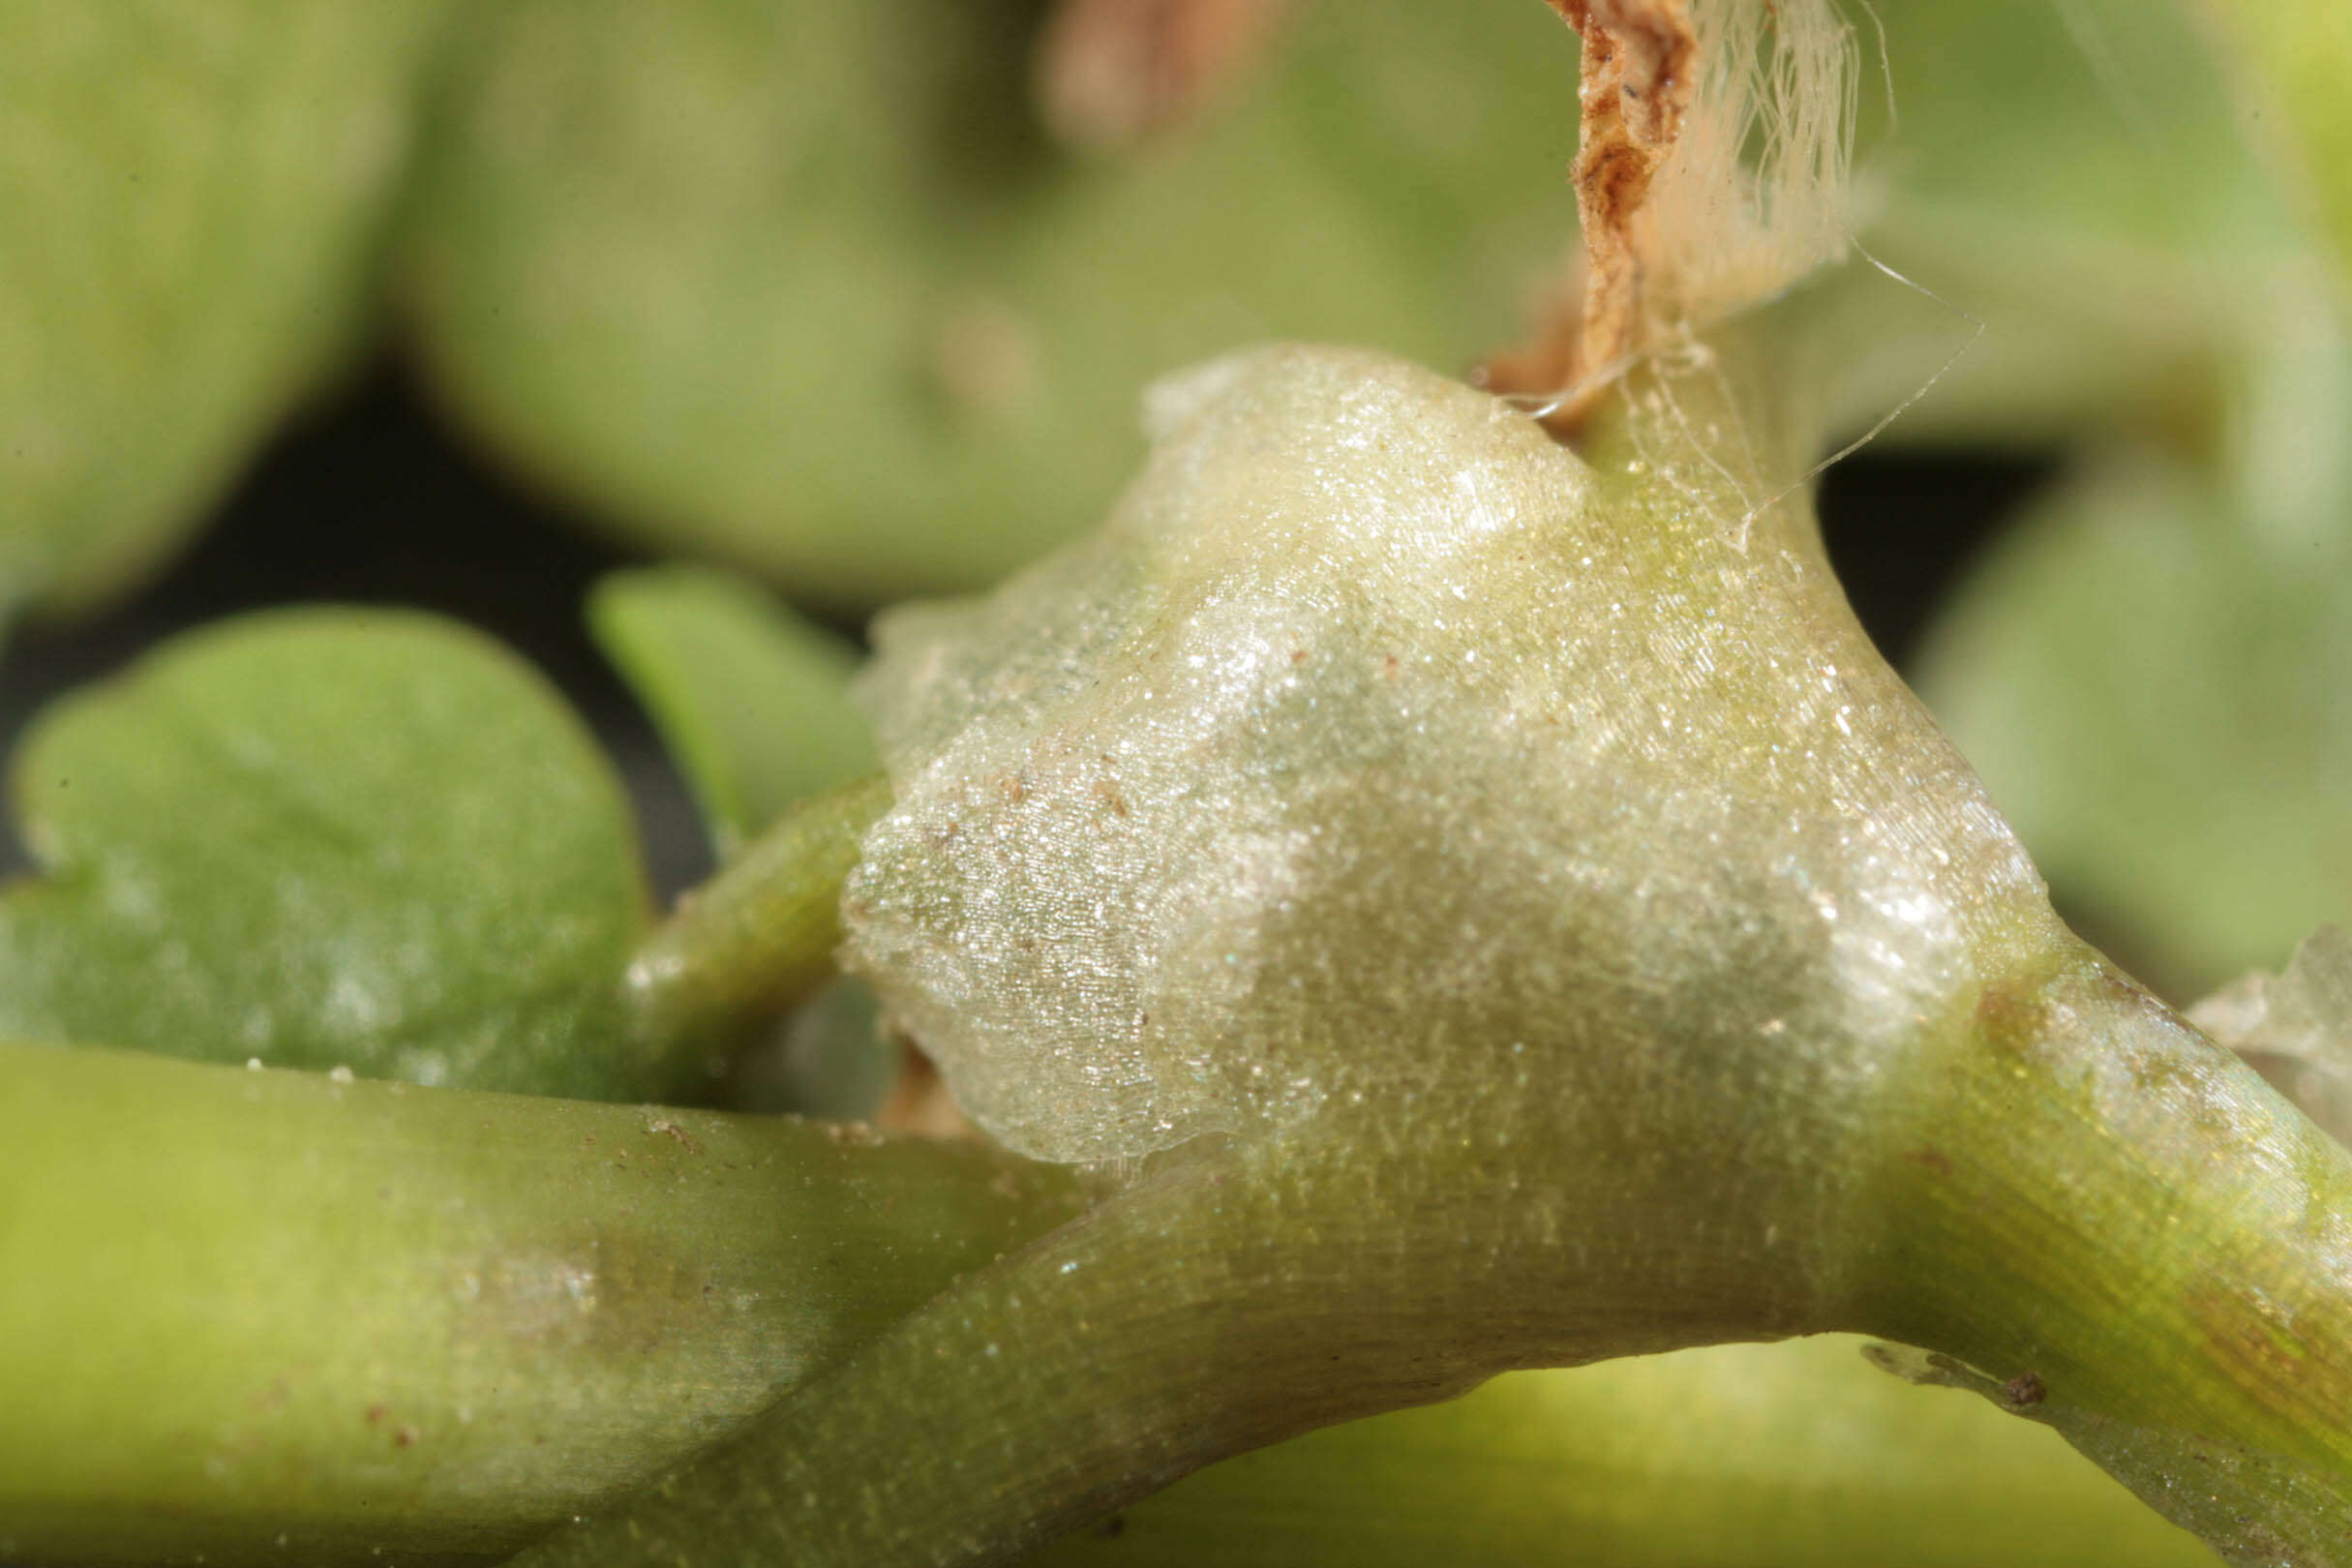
(1754, 196)
(2295, 1027)
(1379, 749)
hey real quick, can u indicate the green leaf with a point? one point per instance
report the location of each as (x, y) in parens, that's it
(751, 699)
(194, 196)
(799, 281)
(330, 838)
(2072, 175)
(2090, 117)
(2152, 686)
(2149, 668)
(2301, 54)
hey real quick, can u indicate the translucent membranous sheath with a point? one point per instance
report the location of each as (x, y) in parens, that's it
(1513, 918)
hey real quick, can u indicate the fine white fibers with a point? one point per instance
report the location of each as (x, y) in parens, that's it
(1754, 195)
(1376, 735)
(1711, 173)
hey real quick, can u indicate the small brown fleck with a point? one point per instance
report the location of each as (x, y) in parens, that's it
(1110, 76)
(2009, 1017)
(2025, 1391)
(1934, 1160)
(674, 1134)
(1111, 1528)
(404, 1437)
(376, 1414)
(1298, 655)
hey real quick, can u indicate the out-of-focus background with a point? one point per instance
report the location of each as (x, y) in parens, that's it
(665, 343)
(371, 498)
(462, 305)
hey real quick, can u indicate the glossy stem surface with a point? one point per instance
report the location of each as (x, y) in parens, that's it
(1238, 1295)
(759, 935)
(2130, 1235)
(273, 1316)
(2120, 1229)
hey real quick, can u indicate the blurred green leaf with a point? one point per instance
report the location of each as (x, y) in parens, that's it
(2107, 117)
(2301, 51)
(2072, 173)
(829, 1058)
(753, 703)
(751, 699)
(800, 283)
(1785, 1456)
(330, 838)
(2157, 695)
(194, 199)
(2151, 668)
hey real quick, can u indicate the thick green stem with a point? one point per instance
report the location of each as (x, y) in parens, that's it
(759, 935)
(272, 1316)
(1613, 965)
(1098, 1365)
(1231, 1299)
(2074, 1190)
(2136, 1240)
(1794, 1458)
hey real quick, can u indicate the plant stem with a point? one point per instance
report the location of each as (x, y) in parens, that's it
(2136, 1240)
(1798, 1455)
(760, 934)
(270, 1316)
(1104, 1363)
(1633, 986)
(1238, 1295)
(2074, 1190)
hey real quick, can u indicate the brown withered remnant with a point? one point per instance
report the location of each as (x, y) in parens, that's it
(919, 1101)
(1638, 80)
(1111, 75)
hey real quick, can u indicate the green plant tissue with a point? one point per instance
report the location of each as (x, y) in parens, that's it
(190, 199)
(2295, 1027)
(326, 838)
(1376, 732)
